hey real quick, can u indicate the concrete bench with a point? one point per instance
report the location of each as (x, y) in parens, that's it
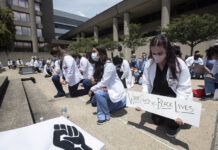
(40, 106)
(3, 87)
(15, 112)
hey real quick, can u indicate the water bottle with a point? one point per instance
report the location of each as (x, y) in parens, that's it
(64, 112)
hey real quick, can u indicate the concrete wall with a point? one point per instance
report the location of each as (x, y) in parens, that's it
(25, 56)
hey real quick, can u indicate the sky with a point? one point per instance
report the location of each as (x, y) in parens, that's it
(85, 8)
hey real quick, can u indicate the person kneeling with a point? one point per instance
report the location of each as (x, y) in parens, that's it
(109, 92)
(47, 70)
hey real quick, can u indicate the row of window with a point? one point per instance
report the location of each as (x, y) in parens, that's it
(21, 30)
(20, 44)
(24, 17)
(23, 3)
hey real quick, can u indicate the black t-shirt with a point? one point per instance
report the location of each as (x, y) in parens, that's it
(160, 86)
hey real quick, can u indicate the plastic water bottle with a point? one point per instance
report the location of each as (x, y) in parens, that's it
(64, 112)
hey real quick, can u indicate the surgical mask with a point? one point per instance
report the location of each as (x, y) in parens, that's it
(95, 57)
(159, 58)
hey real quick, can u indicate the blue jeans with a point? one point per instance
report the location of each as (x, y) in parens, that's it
(210, 84)
(105, 105)
(72, 89)
(87, 85)
(137, 76)
(197, 75)
(56, 81)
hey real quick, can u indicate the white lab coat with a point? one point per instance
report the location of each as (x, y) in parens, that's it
(127, 74)
(19, 63)
(9, 63)
(215, 68)
(182, 87)
(32, 62)
(36, 64)
(190, 60)
(57, 67)
(46, 67)
(112, 82)
(86, 68)
(71, 71)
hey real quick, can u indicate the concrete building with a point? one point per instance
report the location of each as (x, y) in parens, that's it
(33, 21)
(65, 22)
(151, 14)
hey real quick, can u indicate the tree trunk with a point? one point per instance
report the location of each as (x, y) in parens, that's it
(192, 48)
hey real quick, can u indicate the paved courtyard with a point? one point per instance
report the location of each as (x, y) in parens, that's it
(129, 129)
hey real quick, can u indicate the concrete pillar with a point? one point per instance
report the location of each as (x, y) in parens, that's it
(33, 26)
(127, 51)
(126, 23)
(115, 29)
(165, 13)
(3, 3)
(83, 35)
(96, 33)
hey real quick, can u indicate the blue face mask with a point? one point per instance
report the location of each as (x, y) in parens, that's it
(57, 58)
(95, 57)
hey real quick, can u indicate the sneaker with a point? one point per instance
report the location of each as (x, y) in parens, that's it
(88, 102)
(56, 96)
(172, 133)
(208, 96)
(100, 122)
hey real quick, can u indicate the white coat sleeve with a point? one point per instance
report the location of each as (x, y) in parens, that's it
(125, 70)
(70, 64)
(146, 83)
(45, 70)
(188, 61)
(184, 88)
(83, 65)
(201, 62)
(109, 71)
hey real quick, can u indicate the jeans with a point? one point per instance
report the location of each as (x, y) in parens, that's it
(210, 84)
(87, 85)
(137, 75)
(197, 75)
(72, 89)
(105, 105)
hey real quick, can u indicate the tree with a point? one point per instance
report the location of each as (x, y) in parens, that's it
(83, 45)
(7, 29)
(135, 38)
(192, 29)
(109, 44)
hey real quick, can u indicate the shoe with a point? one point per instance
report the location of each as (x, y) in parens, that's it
(88, 102)
(94, 104)
(208, 96)
(172, 133)
(56, 96)
(100, 122)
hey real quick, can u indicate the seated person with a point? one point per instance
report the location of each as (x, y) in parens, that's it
(109, 92)
(211, 77)
(133, 61)
(192, 62)
(37, 65)
(48, 70)
(123, 71)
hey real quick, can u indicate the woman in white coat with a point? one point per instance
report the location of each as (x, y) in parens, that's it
(109, 92)
(124, 71)
(70, 73)
(166, 75)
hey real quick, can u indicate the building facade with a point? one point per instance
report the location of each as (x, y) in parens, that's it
(33, 21)
(151, 14)
(65, 22)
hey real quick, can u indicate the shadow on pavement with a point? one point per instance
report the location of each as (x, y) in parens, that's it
(160, 130)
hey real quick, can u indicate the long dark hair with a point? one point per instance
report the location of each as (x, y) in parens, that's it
(99, 66)
(171, 59)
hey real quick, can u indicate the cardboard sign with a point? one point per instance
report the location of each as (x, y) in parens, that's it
(54, 134)
(173, 108)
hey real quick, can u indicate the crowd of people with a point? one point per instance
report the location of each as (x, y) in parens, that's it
(163, 72)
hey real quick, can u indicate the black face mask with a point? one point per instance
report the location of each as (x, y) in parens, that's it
(197, 56)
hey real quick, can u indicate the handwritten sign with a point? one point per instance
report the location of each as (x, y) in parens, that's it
(55, 134)
(173, 108)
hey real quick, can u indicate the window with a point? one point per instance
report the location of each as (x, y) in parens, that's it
(23, 31)
(22, 44)
(21, 16)
(39, 32)
(38, 20)
(20, 3)
(37, 6)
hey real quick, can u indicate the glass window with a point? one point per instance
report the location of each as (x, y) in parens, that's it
(22, 3)
(18, 30)
(27, 17)
(16, 16)
(38, 20)
(24, 31)
(23, 17)
(39, 32)
(15, 2)
(10, 2)
(37, 6)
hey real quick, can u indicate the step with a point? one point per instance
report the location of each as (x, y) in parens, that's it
(40, 106)
(3, 87)
(15, 112)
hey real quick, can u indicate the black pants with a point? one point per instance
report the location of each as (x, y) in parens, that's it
(158, 120)
(124, 83)
(37, 69)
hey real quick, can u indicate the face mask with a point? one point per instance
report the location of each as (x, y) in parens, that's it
(159, 58)
(95, 57)
(57, 58)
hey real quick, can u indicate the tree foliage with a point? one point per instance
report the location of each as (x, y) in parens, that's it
(135, 38)
(108, 43)
(7, 29)
(83, 45)
(192, 29)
